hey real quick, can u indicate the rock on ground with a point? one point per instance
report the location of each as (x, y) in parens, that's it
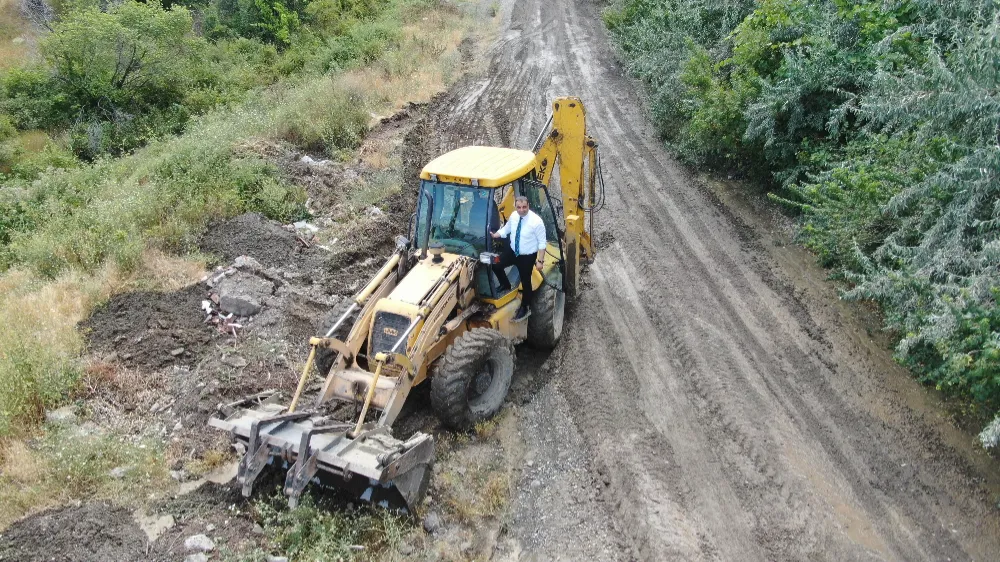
(200, 543)
(432, 522)
(65, 415)
(243, 294)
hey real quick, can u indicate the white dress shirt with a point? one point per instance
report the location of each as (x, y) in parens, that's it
(532, 233)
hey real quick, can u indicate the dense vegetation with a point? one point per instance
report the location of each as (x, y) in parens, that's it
(878, 122)
(114, 79)
(138, 122)
(110, 82)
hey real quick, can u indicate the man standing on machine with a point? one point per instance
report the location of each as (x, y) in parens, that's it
(528, 242)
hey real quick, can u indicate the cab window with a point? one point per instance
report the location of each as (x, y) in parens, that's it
(462, 219)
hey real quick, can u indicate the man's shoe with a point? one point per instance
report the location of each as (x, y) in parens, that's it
(522, 313)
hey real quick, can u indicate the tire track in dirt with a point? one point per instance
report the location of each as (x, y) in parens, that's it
(727, 417)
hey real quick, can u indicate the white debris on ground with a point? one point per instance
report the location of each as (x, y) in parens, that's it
(200, 543)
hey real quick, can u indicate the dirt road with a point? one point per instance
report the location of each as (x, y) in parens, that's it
(732, 407)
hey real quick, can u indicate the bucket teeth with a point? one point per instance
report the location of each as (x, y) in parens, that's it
(259, 450)
(306, 465)
(371, 463)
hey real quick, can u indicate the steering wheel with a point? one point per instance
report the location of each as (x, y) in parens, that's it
(461, 244)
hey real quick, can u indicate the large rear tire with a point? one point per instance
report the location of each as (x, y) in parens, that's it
(548, 310)
(471, 380)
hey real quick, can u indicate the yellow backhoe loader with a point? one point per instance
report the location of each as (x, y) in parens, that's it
(434, 313)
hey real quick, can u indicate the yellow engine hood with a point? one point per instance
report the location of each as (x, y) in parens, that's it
(421, 279)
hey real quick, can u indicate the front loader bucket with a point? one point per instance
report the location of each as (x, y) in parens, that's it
(372, 464)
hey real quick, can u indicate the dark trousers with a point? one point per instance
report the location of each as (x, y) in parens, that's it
(524, 265)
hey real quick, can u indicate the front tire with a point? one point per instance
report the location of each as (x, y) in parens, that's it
(472, 378)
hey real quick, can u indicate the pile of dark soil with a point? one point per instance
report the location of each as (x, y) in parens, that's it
(92, 532)
(196, 392)
(252, 235)
(152, 330)
(362, 253)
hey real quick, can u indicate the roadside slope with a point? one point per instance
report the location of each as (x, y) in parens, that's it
(723, 394)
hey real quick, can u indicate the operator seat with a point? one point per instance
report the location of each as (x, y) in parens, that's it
(485, 275)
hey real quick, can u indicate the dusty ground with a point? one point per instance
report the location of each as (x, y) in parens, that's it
(734, 407)
(712, 399)
(88, 533)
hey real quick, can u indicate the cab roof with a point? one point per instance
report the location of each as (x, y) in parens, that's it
(491, 166)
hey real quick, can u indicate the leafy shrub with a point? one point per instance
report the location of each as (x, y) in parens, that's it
(163, 195)
(360, 43)
(324, 116)
(879, 120)
(117, 77)
(272, 21)
(333, 14)
(714, 114)
(8, 144)
(33, 99)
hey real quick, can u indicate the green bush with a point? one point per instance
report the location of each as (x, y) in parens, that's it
(163, 195)
(843, 205)
(714, 115)
(9, 150)
(112, 104)
(272, 21)
(117, 78)
(33, 99)
(55, 217)
(967, 362)
(879, 122)
(324, 117)
(333, 14)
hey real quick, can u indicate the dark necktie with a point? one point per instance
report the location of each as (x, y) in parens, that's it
(517, 237)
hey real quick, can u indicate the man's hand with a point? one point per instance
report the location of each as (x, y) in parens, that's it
(494, 235)
(538, 266)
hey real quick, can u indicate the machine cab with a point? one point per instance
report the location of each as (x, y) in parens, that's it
(464, 197)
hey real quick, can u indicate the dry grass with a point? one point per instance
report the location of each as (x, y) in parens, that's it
(66, 464)
(481, 492)
(20, 468)
(475, 473)
(38, 359)
(39, 363)
(160, 271)
(34, 141)
(487, 429)
(16, 37)
(208, 462)
(376, 153)
(40, 367)
(424, 65)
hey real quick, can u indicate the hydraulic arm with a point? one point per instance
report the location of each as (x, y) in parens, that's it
(568, 146)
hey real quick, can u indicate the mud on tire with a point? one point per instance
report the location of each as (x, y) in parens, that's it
(325, 357)
(545, 325)
(471, 380)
